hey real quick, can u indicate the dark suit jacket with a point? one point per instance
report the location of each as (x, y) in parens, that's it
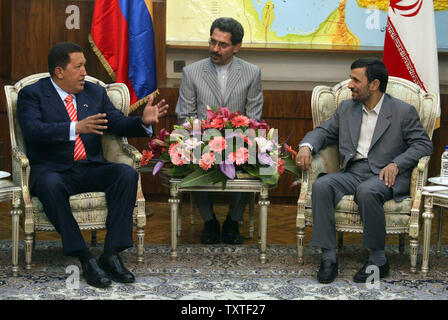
(398, 137)
(45, 125)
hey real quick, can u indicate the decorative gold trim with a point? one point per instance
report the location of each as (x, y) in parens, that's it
(102, 59)
(112, 74)
(142, 101)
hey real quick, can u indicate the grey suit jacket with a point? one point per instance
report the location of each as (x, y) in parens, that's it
(200, 88)
(398, 137)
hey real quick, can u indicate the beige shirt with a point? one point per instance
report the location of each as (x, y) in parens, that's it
(223, 74)
(368, 123)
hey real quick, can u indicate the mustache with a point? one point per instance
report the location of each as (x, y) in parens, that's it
(215, 54)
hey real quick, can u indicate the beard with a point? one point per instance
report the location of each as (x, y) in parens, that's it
(360, 97)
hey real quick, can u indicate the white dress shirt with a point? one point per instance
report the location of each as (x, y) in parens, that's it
(368, 123)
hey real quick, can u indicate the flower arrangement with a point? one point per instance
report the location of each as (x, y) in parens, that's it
(219, 148)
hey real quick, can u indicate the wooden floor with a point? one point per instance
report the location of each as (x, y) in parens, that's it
(281, 226)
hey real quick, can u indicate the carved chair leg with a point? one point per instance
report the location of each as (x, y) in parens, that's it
(300, 245)
(413, 254)
(140, 243)
(29, 245)
(94, 239)
(251, 215)
(401, 243)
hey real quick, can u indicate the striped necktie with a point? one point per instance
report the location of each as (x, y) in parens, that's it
(80, 151)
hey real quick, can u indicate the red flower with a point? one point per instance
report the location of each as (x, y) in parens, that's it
(240, 121)
(280, 166)
(292, 151)
(147, 155)
(218, 123)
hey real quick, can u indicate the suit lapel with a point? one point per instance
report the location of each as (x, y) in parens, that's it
(211, 79)
(82, 102)
(232, 80)
(55, 100)
(355, 124)
(383, 121)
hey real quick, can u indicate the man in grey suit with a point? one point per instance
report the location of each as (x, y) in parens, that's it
(380, 141)
(227, 81)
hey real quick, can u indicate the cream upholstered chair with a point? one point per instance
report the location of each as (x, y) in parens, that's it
(401, 218)
(89, 209)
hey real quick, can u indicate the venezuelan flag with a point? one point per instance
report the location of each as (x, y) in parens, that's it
(122, 36)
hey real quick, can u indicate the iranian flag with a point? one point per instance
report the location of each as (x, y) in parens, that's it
(410, 46)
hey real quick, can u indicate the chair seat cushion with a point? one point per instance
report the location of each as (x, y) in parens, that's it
(87, 208)
(346, 213)
(348, 205)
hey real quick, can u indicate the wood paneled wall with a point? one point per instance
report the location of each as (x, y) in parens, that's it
(29, 28)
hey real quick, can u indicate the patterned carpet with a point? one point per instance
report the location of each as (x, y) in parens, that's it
(221, 272)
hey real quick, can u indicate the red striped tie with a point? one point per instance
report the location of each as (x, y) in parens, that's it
(80, 151)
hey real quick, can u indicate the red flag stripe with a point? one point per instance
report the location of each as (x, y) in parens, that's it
(399, 53)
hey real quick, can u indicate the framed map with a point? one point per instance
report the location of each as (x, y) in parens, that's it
(293, 24)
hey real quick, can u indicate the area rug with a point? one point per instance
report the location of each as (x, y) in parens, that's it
(219, 272)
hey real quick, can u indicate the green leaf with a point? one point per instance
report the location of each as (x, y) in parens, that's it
(268, 179)
(291, 166)
(200, 177)
(181, 171)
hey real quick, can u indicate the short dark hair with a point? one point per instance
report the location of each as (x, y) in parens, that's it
(59, 55)
(375, 69)
(229, 25)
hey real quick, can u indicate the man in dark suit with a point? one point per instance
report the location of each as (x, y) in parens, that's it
(221, 80)
(380, 141)
(62, 118)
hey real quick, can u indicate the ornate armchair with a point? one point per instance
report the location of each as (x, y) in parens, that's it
(401, 218)
(89, 209)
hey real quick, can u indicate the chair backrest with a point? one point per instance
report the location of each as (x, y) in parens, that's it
(117, 92)
(325, 100)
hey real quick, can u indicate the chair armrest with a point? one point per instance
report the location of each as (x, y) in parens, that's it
(320, 164)
(418, 180)
(21, 174)
(20, 167)
(133, 153)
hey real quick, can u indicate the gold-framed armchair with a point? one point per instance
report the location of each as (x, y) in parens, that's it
(401, 218)
(89, 209)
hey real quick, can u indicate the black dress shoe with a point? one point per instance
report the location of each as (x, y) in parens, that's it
(230, 232)
(115, 269)
(94, 275)
(328, 271)
(210, 235)
(361, 276)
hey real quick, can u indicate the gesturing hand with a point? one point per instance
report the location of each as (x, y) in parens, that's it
(304, 158)
(389, 173)
(93, 124)
(152, 113)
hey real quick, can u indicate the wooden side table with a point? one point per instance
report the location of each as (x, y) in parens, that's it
(237, 185)
(10, 192)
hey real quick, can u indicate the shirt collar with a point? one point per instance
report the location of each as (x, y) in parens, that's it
(377, 108)
(61, 92)
(223, 68)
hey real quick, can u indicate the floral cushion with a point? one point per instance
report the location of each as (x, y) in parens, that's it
(87, 208)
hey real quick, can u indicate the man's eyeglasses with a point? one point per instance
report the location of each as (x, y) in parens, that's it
(222, 45)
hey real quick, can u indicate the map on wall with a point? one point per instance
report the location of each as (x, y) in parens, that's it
(351, 24)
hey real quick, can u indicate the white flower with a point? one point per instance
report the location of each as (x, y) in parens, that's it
(192, 143)
(263, 144)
